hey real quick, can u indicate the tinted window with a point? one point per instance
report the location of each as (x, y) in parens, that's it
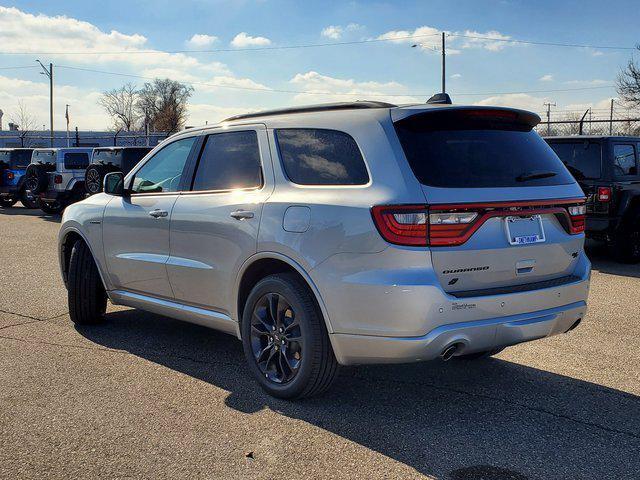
(229, 160)
(478, 154)
(321, 157)
(16, 158)
(131, 157)
(44, 156)
(624, 160)
(583, 159)
(106, 157)
(76, 160)
(163, 171)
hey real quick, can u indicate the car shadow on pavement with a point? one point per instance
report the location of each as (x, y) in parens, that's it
(30, 212)
(602, 261)
(490, 419)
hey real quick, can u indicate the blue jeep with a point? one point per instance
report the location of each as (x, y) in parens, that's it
(13, 165)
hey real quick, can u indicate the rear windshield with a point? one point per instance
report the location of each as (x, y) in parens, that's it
(16, 158)
(44, 156)
(76, 160)
(113, 157)
(583, 159)
(448, 151)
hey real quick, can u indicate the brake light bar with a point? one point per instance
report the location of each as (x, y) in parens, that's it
(452, 225)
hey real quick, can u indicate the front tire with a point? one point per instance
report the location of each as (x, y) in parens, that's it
(7, 202)
(52, 208)
(285, 339)
(85, 291)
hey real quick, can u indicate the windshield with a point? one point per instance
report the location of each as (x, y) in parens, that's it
(16, 158)
(583, 159)
(460, 154)
(113, 157)
(44, 156)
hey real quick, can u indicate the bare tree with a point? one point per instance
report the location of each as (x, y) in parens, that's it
(120, 105)
(25, 121)
(163, 104)
(628, 83)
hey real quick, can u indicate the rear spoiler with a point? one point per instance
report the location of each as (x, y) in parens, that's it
(502, 115)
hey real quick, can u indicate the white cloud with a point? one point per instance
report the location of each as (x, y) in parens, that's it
(515, 100)
(456, 75)
(242, 40)
(335, 32)
(340, 89)
(589, 83)
(546, 78)
(25, 32)
(332, 31)
(429, 38)
(200, 40)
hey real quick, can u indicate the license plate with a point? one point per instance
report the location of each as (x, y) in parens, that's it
(524, 230)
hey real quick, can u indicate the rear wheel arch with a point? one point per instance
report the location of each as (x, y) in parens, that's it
(270, 263)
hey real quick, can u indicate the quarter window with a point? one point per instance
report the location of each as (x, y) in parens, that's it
(624, 160)
(321, 157)
(163, 171)
(229, 161)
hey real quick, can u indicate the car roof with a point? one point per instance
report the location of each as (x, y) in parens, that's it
(592, 137)
(322, 114)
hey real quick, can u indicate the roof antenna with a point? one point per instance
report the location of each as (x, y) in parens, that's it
(440, 99)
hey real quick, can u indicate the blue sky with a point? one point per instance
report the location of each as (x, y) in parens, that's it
(389, 70)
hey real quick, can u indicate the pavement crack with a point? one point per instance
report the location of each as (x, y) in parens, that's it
(512, 403)
(21, 315)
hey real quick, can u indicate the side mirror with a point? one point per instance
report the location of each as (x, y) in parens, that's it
(114, 184)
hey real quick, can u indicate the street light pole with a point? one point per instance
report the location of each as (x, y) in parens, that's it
(49, 73)
(443, 64)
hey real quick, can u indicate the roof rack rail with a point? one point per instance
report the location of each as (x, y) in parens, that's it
(323, 107)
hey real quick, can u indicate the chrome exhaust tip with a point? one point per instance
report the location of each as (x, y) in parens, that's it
(447, 353)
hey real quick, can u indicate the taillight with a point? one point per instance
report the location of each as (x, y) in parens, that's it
(604, 194)
(402, 224)
(57, 179)
(10, 176)
(577, 218)
(454, 224)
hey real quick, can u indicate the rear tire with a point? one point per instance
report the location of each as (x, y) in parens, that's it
(94, 178)
(7, 202)
(52, 208)
(28, 200)
(35, 178)
(308, 365)
(479, 355)
(85, 292)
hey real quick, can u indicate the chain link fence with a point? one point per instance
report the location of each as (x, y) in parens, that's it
(9, 139)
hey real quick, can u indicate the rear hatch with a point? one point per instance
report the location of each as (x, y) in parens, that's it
(503, 211)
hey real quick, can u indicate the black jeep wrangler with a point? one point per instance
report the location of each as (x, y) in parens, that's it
(607, 170)
(111, 159)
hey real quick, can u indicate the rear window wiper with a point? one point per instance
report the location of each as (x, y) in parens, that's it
(523, 177)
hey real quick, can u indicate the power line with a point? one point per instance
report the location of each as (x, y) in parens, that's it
(306, 92)
(222, 50)
(19, 67)
(548, 44)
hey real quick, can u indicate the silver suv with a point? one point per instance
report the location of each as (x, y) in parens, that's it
(341, 234)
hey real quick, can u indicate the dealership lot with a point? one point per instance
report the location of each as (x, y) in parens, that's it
(147, 397)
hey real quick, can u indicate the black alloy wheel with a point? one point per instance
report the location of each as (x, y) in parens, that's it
(276, 338)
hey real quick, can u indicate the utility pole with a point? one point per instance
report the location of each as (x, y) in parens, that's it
(549, 105)
(49, 73)
(589, 120)
(611, 119)
(443, 64)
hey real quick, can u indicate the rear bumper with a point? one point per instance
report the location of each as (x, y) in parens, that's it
(8, 190)
(470, 337)
(601, 228)
(55, 195)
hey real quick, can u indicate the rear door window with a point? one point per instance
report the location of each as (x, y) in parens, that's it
(321, 157)
(454, 150)
(583, 159)
(229, 161)
(624, 160)
(76, 160)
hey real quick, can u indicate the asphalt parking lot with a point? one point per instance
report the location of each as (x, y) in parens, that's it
(144, 396)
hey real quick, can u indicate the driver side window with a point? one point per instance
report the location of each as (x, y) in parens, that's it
(163, 171)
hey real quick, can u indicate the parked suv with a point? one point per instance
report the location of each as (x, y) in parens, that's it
(13, 164)
(341, 234)
(56, 176)
(607, 170)
(111, 159)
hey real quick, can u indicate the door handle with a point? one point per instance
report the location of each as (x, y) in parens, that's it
(241, 214)
(158, 213)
